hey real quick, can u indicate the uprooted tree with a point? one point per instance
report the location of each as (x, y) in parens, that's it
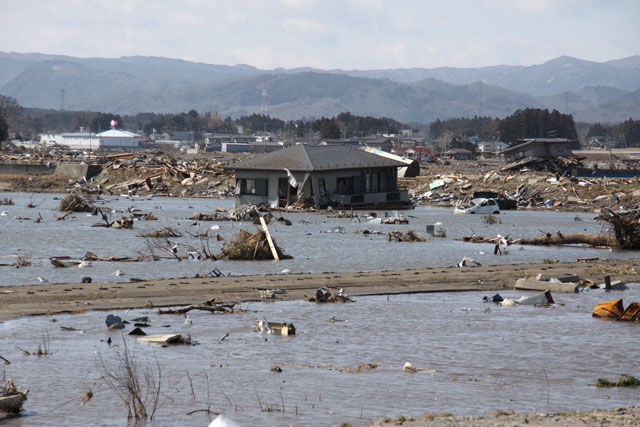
(625, 226)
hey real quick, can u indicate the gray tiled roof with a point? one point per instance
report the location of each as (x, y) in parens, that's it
(308, 158)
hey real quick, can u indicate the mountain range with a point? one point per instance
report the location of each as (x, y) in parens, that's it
(591, 91)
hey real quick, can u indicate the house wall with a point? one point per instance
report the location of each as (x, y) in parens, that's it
(236, 147)
(119, 142)
(388, 185)
(80, 143)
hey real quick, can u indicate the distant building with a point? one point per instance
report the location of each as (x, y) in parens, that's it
(491, 148)
(214, 142)
(378, 141)
(118, 138)
(353, 142)
(110, 139)
(537, 148)
(460, 154)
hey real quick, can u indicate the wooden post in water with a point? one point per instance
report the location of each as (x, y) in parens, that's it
(271, 245)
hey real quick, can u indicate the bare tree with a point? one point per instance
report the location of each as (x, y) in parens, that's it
(137, 384)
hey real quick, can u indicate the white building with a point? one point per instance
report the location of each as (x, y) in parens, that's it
(118, 138)
(110, 139)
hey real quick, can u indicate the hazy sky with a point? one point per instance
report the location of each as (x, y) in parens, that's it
(347, 34)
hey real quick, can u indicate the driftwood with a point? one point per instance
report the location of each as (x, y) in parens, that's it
(215, 308)
(558, 238)
(601, 240)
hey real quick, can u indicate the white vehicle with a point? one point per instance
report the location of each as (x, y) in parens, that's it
(478, 206)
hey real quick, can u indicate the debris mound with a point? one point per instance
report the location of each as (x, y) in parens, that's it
(246, 246)
(75, 203)
(409, 236)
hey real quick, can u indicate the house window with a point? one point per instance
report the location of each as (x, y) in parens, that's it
(344, 185)
(255, 187)
(373, 182)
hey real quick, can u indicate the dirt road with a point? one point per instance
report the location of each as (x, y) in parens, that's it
(16, 301)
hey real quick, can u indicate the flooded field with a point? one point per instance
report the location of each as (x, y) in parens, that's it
(521, 358)
(317, 242)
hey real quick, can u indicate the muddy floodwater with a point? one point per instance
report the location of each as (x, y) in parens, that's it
(318, 242)
(521, 358)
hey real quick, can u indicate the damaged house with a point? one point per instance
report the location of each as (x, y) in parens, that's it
(320, 176)
(538, 148)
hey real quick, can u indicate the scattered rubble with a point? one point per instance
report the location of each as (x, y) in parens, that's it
(323, 295)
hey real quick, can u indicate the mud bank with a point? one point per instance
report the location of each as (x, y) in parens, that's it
(16, 301)
(613, 418)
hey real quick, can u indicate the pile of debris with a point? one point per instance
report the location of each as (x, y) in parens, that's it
(147, 172)
(409, 236)
(246, 246)
(324, 295)
(525, 189)
(75, 203)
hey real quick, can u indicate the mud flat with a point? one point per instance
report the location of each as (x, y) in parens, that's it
(16, 301)
(615, 417)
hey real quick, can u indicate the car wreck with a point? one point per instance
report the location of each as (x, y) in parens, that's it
(481, 206)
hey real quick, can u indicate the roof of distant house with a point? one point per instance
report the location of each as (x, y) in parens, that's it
(117, 133)
(526, 142)
(309, 158)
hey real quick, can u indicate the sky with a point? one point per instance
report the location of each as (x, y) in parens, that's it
(327, 34)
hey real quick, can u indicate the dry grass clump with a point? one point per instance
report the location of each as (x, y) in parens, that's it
(246, 246)
(75, 203)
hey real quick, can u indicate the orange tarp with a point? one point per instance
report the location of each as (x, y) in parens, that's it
(609, 309)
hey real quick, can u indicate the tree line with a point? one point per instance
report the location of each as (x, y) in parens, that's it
(627, 133)
(24, 122)
(527, 123)
(29, 122)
